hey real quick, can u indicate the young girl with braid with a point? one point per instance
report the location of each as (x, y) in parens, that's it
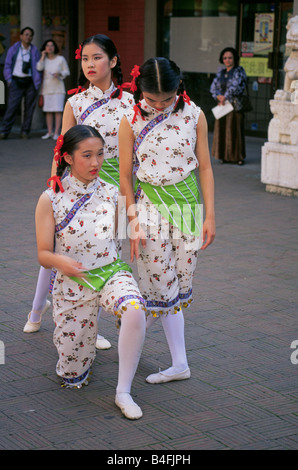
(71, 216)
(164, 138)
(101, 106)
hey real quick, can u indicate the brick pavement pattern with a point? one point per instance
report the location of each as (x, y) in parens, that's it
(243, 390)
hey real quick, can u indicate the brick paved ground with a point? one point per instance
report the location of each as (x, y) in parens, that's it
(243, 389)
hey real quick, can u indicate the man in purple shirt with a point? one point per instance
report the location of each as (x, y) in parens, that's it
(23, 80)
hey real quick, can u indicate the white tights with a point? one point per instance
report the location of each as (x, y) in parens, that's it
(130, 345)
(173, 326)
(41, 293)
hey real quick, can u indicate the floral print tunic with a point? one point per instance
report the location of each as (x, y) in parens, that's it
(84, 216)
(106, 118)
(166, 155)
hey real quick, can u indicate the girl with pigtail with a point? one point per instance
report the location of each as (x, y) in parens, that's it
(101, 106)
(71, 215)
(163, 139)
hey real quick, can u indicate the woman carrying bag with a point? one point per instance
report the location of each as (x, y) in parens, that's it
(229, 85)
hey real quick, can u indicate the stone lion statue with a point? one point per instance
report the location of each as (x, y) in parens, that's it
(291, 65)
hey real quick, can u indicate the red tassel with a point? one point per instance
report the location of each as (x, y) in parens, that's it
(137, 110)
(185, 97)
(134, 73)
(76, 90)
(79, 52)
(120, 87)
(56, 179)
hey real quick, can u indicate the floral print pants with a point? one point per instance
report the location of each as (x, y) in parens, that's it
(76, 321)
(167, 264)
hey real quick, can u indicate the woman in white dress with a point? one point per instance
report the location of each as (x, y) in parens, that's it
(55, 69)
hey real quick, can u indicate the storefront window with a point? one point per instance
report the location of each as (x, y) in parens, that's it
(193, 33)
(193, 18)
(262, 45)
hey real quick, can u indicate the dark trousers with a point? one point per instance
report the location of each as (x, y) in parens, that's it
(15, 95)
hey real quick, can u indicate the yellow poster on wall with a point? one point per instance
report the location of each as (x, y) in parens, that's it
(256, 66)
(263, 35)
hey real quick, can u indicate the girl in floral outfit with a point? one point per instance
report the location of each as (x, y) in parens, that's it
(101, 106)
(164, 137)
(79, 212)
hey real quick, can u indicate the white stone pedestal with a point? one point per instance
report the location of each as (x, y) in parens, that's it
(279, 169)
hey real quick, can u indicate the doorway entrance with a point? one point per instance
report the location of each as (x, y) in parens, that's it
(262, 46)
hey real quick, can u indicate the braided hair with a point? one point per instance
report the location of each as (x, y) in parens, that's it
(107, 45)
(159, 75)
(71, 140)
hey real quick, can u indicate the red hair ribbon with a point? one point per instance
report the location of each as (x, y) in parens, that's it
(134, 73)
(185, 97)
(58, 157)
(79, 52)
(57, 149)
(120, 87)
(76, 90)
(57, 180)
(137, 110)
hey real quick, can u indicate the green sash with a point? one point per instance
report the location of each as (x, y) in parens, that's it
(178, 203)
(110, 171)
(97, 278)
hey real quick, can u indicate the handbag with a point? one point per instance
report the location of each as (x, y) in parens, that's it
(246, 103)
(40, 101)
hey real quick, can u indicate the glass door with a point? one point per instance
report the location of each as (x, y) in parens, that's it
(262, 38)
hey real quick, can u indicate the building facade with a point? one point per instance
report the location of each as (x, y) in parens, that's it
(190, 32)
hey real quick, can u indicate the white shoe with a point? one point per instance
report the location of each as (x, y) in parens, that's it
(32, 327)
(130, 409)
(55, 136)
(161, 377)
(102, 343)
(47, 136)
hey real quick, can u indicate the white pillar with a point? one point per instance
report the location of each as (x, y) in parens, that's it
(31, 15)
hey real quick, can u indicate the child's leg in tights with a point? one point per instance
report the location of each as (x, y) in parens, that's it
(41, 293)
(130, 345)
(101, 341)
(173, 325)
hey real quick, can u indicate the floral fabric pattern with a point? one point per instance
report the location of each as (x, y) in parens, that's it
(167, 153)
(88, 238)
(106, 119)
(166, 265)
(76, 322)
